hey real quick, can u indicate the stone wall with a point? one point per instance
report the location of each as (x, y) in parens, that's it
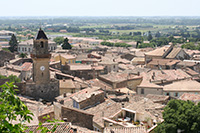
(5, 56)
(47, 92)
(75, 116)
(95, 99)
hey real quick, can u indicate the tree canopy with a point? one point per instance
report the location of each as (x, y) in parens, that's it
(180, 115)
(22, 55)
(13, 43)
(12, 109)
(66, 44)
(59, 40)
(12, 78)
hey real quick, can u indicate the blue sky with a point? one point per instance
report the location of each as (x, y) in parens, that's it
(100, 8)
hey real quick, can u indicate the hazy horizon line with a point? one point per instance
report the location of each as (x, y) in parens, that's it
(48, 16)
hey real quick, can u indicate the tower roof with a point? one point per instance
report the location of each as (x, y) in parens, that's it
(41, 35)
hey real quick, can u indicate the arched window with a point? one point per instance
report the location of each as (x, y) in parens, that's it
(42, 44)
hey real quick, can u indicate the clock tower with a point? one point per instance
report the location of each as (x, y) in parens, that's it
(41, 58)
(42, 86)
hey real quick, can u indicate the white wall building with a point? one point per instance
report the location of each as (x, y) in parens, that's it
(27, 46)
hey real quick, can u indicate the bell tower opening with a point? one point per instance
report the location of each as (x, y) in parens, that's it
(42, 44)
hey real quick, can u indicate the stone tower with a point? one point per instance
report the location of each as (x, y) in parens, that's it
(42, 86)
(41, 58)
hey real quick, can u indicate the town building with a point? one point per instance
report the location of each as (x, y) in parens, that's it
(167, 52)
(64, 58)
(6, 35)
(42, 85)
(120, 80)
(27, 46)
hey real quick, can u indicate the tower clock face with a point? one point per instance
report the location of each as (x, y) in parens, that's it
(42, 68)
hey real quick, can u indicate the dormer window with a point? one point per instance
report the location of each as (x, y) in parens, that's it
(42, 44)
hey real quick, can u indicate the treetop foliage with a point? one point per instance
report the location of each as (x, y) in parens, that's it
(180, 115)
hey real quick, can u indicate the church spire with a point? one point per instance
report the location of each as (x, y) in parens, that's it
(41, 35)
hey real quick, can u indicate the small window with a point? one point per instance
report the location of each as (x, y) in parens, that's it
(167, 94)
(176, 94)
(196, 93)
(42, 44)
(142, 91)
(19, 48)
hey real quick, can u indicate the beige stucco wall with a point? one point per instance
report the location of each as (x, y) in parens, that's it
(172, 93)
(64, 60)
(158, 91)
(40, 76)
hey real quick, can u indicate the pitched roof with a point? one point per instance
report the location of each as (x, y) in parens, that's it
(183, 86)
(158, 52)
(162, 62)
(86, 93)
(119, 77)
(26, 66)
(144, 106)
(105, 109)
(191, 97)
(66, 83)
(41, 35)
(173, 53)
(166, 75)
(61, 128)
(125, 130)
(99, 83)
(157, 98)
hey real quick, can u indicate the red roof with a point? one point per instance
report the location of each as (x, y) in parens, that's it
(26, 66)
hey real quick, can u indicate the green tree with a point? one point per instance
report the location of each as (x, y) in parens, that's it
(13, 43)
(12, 78)
(58, 40)
(190, 45)
(149, 36)
(180, 115)
(157, 34)
(66, 44)
(23, 55)
(12, 109)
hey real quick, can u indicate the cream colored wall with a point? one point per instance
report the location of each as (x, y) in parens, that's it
(158, 91)
(64, 60)
(37, 73)
(180, 93)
